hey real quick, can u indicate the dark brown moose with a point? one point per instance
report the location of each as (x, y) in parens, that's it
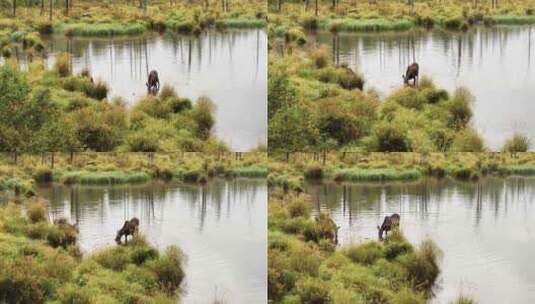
(153, 83)
(389, 223)
(129, 228)
(411, 74)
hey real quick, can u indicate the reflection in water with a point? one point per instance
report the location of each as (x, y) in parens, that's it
(221, 227)
(230, 68)
(494, 63)
(486, 229)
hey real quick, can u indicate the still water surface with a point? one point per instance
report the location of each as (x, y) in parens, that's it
(496, 64)
(221, 227)
(485, 229)
(228, 67)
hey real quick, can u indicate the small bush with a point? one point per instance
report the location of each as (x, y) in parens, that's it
(203, 116)
(97, 90)
(467, 140)
(168, 269)
(518, 143)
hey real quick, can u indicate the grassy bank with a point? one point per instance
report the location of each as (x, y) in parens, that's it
(101, 18)
(394, 15)
(53, 110)
(291, 173)
(306, 267)
(20, 176)
(101, 29)
(316, 105)
(41, 262)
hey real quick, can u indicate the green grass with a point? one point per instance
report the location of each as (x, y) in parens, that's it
(512, 20)
(106, 177)
(245, 23)
(355, 174)
(101, 29)
(251, 171)
(518, 170)
(365, 25)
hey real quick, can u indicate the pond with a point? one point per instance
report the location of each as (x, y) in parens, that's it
(221, 227)
(493, 63)
(486, 229)
(229, 67)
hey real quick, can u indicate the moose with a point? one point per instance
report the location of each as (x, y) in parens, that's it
(411, 73)
(153, 83)
(389, 223)
(129, 228)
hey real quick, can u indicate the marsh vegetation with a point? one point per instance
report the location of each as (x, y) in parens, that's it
(306, 267)
(41, 262)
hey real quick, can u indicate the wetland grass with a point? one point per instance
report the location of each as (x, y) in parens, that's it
(40, 262)
(104, 177)
(318, 272)
(100, 29)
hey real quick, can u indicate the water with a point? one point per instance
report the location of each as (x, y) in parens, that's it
(221, 227)
(229, 67)
(485, 229)
(494, 63)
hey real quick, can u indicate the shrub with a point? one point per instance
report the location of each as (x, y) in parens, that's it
(97, 90)
(518, 143)
(168, 269)
(177, 105)
(142, 254)
(390, 138)
(460, 108)
(142, 141)
(203, 116)
(166, 92)
(467, 140)
(62, 234)
(422, 266)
